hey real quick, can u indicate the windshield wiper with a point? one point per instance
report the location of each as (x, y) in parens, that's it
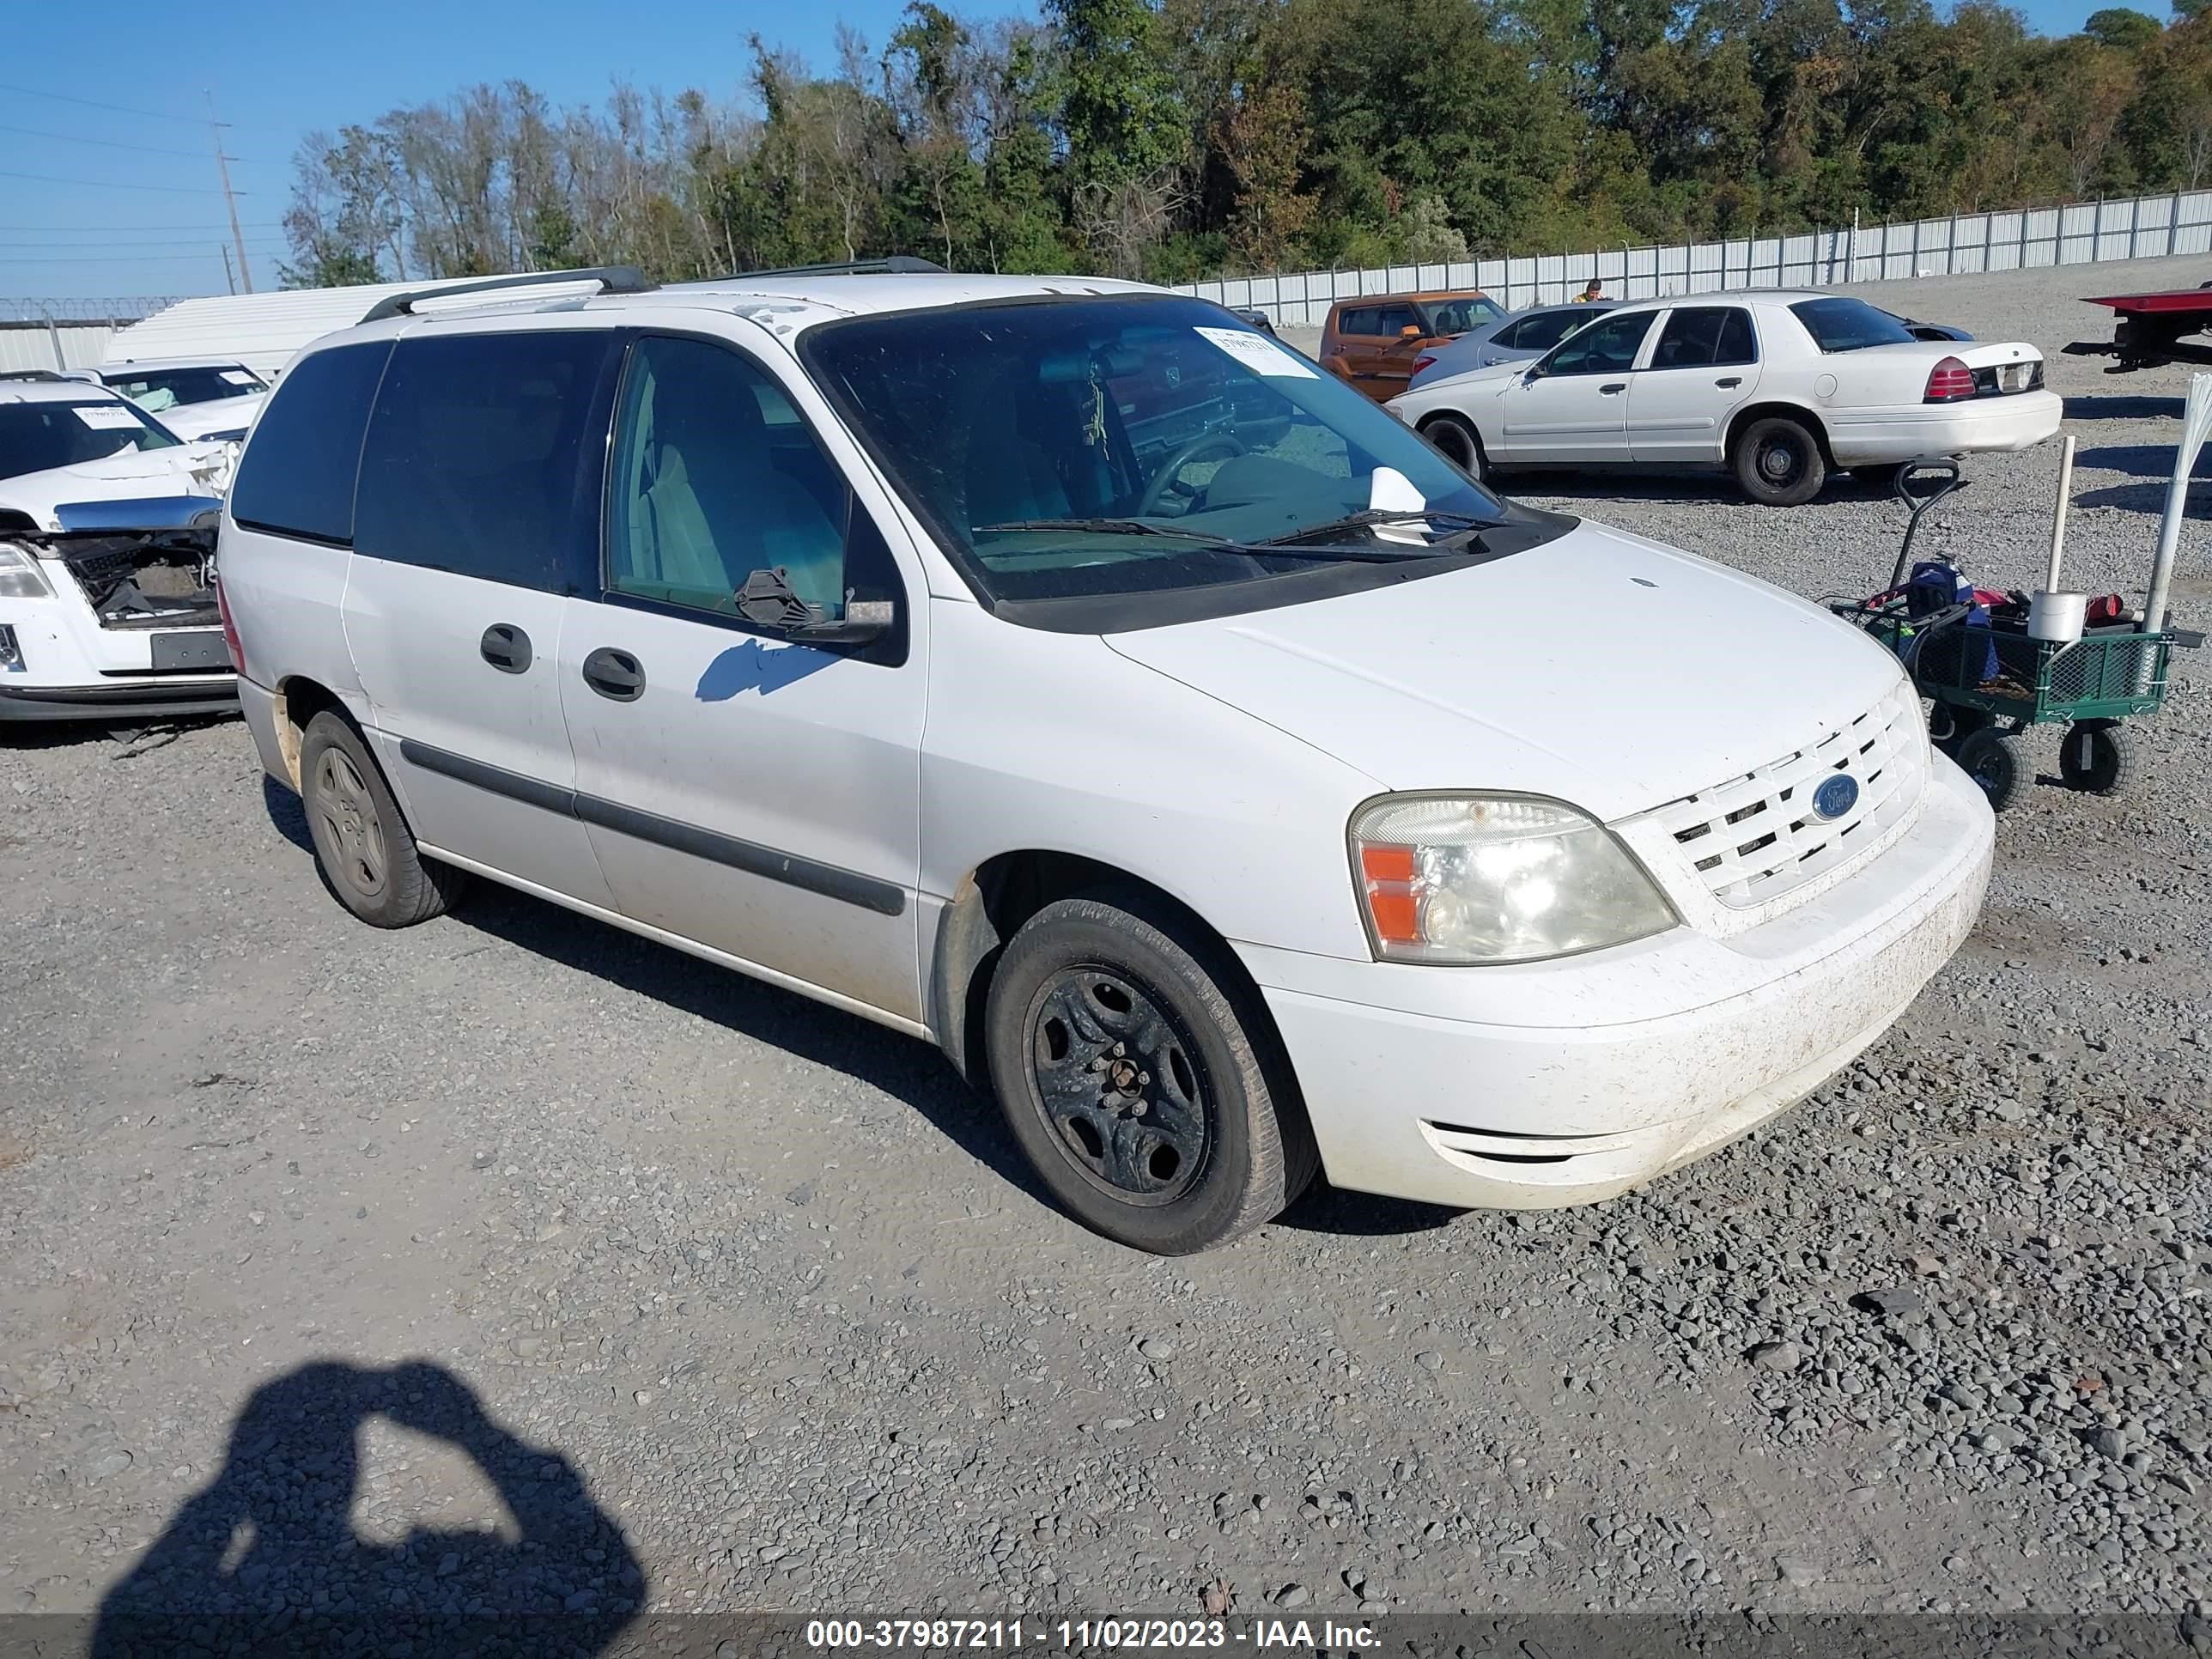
(1369, 517)
(1103, 527)
(1289, 546)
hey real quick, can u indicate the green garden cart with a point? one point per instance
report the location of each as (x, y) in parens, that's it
(1994, 670)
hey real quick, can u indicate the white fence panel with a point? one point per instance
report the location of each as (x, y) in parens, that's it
(34, 345)
(2177, 222)
(2193, 228)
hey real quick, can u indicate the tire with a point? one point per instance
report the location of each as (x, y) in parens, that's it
(2097, 757)
(1950, 725)
(1454, 437)
(1993, 759)
(362, 843)
(1777, 462)
(1174, 1126)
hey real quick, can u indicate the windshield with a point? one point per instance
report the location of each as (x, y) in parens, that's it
(37, 437)
(1848, 325)
(1091, 447)
(1458, 316)
(158, 389)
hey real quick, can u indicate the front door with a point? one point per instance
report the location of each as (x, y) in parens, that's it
(478, 498)
(1703, 368)
(1572, 406)
(1388, 364)
(752, 794)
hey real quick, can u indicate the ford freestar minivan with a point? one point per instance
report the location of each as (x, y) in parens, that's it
(1063, 672)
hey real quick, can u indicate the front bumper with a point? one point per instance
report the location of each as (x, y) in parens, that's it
(1566, 1082)
(1981, 426)
(214, 694)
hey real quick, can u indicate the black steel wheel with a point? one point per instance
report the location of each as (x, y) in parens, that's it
(366, 850)
(1777, 461)
(1139, 1077)
(1120, 1086)
(2097, 757)
(1993, 759)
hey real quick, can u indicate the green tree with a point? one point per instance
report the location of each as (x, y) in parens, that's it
(2121, 27)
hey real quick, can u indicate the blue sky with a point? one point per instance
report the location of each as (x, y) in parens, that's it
(123, 202)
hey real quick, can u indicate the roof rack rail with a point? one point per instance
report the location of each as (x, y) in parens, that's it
(611, 279)
(897, 264)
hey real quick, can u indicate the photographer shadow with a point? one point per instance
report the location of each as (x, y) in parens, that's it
(265, 1560)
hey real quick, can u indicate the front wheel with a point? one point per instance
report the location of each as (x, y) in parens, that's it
(1454, 437)
(1136, 1081)
(1993, 759)
(2097, 757)
(1779, 462)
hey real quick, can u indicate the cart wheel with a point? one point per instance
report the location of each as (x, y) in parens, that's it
(2097, 757)
(1992, 759)
(1951, 723)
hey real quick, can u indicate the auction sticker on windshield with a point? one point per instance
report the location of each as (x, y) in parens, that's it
(1259, 354)
(104, 416)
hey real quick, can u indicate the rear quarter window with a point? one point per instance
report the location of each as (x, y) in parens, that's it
(484, 455)
(1842, 324)
(297, 475)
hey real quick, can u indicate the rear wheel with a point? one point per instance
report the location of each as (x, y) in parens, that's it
(2097, 757)
(1993, 759)
(366, 852)
(1137, 1082)
(1777, 461)
(1454, 437)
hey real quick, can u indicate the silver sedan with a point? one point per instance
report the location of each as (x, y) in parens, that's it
(1524, 334)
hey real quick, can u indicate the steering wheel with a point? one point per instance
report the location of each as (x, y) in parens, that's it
(1165, 481)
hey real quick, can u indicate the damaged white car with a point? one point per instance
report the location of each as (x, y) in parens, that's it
(107, 607)
(213, 397)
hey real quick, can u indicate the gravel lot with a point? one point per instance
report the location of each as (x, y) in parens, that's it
(763, 1283)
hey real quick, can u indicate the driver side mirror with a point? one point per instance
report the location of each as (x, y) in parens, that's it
(768, 600)
(1411, 332)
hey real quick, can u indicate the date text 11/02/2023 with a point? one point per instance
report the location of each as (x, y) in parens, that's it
(1085, 1635)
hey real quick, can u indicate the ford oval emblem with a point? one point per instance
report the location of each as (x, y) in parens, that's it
(1837, 796)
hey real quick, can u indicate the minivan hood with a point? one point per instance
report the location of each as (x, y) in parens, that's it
(1612, 672)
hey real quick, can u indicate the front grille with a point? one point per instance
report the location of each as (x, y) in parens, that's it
(1754, 838)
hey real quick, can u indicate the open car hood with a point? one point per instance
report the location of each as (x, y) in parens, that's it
(134, 490)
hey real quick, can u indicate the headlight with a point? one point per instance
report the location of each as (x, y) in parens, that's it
(21, 577)
(1472, 878)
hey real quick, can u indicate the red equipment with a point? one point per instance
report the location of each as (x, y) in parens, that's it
(2148, 329)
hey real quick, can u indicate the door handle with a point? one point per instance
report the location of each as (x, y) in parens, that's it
(1618, 386)
(505, 647)
(615, 675)
(1732, 380)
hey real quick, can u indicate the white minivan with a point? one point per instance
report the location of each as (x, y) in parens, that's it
(1063, 673)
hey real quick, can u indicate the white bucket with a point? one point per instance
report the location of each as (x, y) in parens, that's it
(2057, 616)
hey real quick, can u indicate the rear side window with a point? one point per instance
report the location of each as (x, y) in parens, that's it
(1841, 324)
(1547, 329)
(296, 477)
(1703, 337)
(1360, 319)
(484, 456)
